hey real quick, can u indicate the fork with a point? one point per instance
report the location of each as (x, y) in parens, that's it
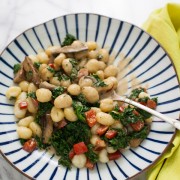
(170, 120)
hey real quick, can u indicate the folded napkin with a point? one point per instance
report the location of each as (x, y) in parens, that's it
(164, 25)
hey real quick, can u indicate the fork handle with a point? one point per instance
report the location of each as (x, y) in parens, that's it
(171, 121)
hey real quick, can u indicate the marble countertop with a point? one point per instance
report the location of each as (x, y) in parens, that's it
(19, 15)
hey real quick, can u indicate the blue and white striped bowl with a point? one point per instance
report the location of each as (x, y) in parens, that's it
(149, 63)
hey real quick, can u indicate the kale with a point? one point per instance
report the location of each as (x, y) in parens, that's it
(121, 140)
(135, 93)
(116, 108)
(73, 62)
(42, 109)
(57, 91)
(65, 161)
(74, 71)
(61, 76)
(91, 155)
(68, 40)
(63, 140)
(32, 95)
(81, 98)
(22, 141)
(29, 75)
(115, 115)
(50, 69)
(99, 82)
(37, 65)
(80, 110)
(40, 143)
(155, 99)
(144, 114)
(128, 116)
(142, 134)
(16, 68)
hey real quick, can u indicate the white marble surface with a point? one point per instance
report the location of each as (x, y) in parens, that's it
(19, 15)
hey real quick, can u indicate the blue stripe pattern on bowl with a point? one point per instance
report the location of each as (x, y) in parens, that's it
(148, 61)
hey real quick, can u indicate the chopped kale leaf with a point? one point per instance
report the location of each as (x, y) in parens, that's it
(50, 69)
(99, 82)
(68, 40)
(37, 65)
(16, 68)
(57, 91)
(32, 95)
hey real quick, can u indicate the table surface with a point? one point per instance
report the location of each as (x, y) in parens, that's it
(19, 15)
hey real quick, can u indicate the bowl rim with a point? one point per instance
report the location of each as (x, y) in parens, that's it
(89, 13)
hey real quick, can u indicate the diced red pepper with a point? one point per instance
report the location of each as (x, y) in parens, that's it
(89, 164)
(136, 113)
(143, 103)
(101, 130)
(121, 109)
(114, 156)
(151, 104)
(111, 134)
(82, 72)
(30, 145)
(23, 105)
(91, 117)
(51, 65)
(80, 148)
(71, 154)
(137, 126)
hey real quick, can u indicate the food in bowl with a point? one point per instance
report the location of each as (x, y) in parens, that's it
(59, 102)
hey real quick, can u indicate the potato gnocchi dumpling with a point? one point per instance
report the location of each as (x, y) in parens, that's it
(61, 100)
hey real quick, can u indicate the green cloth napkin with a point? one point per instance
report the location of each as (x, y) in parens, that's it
(164, 25)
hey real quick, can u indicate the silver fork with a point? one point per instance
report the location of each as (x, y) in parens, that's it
(171, 121)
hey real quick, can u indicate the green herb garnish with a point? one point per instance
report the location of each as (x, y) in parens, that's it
(16, 68)
(57, 91)
(68, 40)
(22, 141)
(37, 65)
(135, 93)
(91, 155)
(74, 71)
(80, 109)
(142, 134)
(61, 76)
(128, 116)
(121, 140)
(42, 109)
(40, 143)
(50, 69)
(29, 75)
(99, 82)
(32, 95)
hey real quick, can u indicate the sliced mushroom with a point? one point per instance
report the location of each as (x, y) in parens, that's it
(47, 125)
(31, 72)
(47, 85)
(75, 50)
(19, 76)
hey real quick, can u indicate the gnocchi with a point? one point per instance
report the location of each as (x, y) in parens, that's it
(67, 105)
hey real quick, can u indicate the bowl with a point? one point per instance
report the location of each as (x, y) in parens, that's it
(143, 61)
